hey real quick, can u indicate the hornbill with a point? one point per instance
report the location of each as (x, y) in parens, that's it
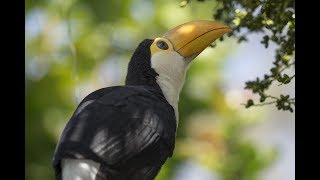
(128, 132)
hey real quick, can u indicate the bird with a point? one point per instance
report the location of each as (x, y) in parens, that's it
(128, 132)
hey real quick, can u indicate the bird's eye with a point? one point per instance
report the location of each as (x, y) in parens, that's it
(162, 45)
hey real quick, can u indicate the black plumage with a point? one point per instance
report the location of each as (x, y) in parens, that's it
(130, 130)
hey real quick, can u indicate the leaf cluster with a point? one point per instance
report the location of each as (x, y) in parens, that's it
(276, 20)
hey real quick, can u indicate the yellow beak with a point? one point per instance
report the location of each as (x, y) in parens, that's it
(191, 38)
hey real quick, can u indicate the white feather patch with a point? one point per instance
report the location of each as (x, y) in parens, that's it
(79, 169)
(171, 68)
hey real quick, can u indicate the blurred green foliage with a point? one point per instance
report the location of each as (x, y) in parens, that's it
(74, 47)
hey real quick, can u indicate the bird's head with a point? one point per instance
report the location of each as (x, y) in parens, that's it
(187, 40)
(165, 59)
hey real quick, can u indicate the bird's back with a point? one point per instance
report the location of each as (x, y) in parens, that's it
(128, 130)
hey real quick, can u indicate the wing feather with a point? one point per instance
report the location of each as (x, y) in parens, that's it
(113, 126)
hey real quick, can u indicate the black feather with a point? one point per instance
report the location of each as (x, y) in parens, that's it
(139, 68)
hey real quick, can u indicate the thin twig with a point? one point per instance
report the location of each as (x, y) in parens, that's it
(262, 104)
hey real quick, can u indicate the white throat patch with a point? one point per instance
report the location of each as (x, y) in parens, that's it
(171, 68)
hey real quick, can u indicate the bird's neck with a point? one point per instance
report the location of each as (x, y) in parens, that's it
(171, 76)
(140, 72)
(171, 88)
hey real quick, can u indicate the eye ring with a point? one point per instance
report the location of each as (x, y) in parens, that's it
(162, 45)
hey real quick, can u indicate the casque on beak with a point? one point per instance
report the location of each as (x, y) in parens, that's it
(191, 38)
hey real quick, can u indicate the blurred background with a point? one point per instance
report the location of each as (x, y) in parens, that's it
(74, 47)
